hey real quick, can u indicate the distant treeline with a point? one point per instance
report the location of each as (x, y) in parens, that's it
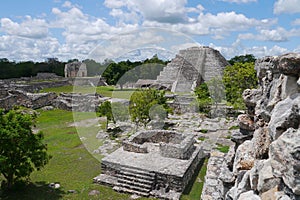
(11, 69)
(128, 70)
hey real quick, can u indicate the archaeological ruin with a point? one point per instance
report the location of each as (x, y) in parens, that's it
(157, 163)
(191, 67)
(75, 69)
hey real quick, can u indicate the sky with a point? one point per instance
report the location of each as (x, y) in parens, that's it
(135, 29)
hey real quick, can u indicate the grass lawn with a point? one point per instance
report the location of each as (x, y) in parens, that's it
(107, 91)
(193, 191)
(72, 166)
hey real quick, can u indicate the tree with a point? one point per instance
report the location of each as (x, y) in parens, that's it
(248, 58)
(236, 79)
(204, 99)
(141, 101)
(105, 110)
(21, 150)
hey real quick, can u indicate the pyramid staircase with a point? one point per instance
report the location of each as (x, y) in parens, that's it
(136, 181)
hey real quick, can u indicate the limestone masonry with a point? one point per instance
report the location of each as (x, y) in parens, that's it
(191, 67)
(156, 163)
(264, 164)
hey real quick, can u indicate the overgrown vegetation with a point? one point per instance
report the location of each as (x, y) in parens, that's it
(238, 76)
(204, 98)
(222, 148)
(147, 104)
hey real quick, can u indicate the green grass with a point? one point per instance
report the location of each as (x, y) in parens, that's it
(234, 128)
(204, 131)
(222, 148)
(193, 191)
(106, 91)
(201, 138)
(72, 165)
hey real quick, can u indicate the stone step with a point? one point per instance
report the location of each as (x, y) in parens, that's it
(133, 187)
(126, 190)
(134, 171)
(140, 179)
(136, 183)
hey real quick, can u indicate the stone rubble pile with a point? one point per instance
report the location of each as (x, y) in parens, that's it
(64, 101)
(266, 161)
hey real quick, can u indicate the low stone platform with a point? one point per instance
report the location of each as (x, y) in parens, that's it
(151, 173)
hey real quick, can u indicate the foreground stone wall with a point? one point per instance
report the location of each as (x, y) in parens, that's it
(266, 161)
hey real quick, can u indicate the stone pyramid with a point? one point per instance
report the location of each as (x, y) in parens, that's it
(191, 67)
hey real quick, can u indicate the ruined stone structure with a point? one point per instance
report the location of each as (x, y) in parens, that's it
(156, 163)
(75, 69)
(191, 67)
(70, 102)
(265, 161)
(30, 100)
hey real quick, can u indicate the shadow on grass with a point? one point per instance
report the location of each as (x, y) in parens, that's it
(189, 187)
(32, 191)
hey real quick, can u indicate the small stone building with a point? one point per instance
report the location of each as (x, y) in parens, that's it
(157, 163)
(75, 69)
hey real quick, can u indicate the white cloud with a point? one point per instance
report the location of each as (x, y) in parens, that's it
(29, 28)
(20, 48)
(114, 3)
(237, 48)
(262, 51)
(239, 1)
(274, 35)
(286, 6)
(296, 22)
(162, 11)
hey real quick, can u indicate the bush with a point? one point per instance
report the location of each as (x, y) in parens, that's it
(236, 79)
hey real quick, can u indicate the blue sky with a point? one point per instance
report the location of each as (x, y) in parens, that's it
(36, 30)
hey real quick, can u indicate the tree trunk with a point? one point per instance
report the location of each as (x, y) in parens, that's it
(10, 180)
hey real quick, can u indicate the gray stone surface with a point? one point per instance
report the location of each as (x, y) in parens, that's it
(266, 179)
(285, 158)
(244, 157)
(249, 196)
(286, 114)
(213, 187)
(289, 64)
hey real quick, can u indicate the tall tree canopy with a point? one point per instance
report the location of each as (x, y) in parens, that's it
(242, 59)
(21, 150)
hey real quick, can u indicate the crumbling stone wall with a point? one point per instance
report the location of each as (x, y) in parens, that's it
(182, 150)
(29, 100)
(266, 161)
(171, 144)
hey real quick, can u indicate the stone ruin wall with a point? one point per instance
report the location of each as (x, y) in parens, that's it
(24, 92)
(264, 164)
(64, 101)
(171, 144)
